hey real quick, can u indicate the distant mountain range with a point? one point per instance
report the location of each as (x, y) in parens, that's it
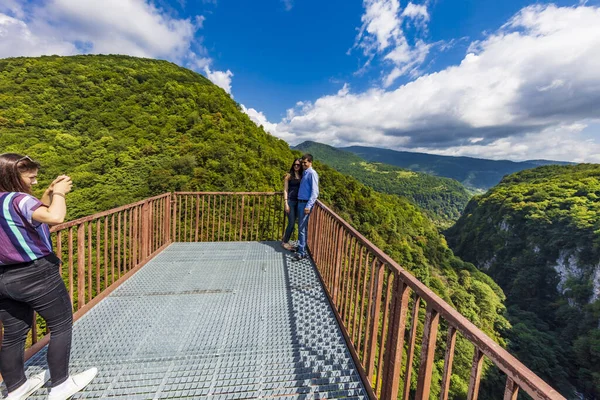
(475, 173)
(442, 198)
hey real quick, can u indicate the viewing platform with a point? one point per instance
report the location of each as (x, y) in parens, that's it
(229, 320)
(189, 295)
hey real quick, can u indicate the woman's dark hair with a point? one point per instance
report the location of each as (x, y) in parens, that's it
(292, 172)
(12, 165)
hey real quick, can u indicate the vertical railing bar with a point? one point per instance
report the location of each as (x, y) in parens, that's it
(316, 249)
(202, 219)
(352, 282)
(427, 353)
(179, 211)
(231, 225)
(125, 250)
(224, 217)
(383, 347)
(376, 296)
(119, 218)
(197, 217)
(360, 282)
(89, 269)
(448, 360)
(130, 248)
(241, 218)
(80, 266)
(185, 218)
(71, 274)
(252, 202)
(173, 212)
(473, 391)
(355, 299)
(259, 199)
(339, 245)
(219, 216)
(136, 236)
(98, 241)
(511, 390)
(366, 279)
(395, 342)
(346, 264)
(59, 250)
(332, 251)
(414, 322)
(214, 218)
(106, 252)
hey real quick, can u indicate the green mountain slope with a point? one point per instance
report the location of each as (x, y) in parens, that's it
(127, 128)
(443, 198)
(538, 235)
(474, 173)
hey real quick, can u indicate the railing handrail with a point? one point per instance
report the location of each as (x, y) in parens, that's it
(102, 214)
(229, 193)
(523, 376)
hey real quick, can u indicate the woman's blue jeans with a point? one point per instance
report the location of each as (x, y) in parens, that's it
(291, 220)
(36, 285)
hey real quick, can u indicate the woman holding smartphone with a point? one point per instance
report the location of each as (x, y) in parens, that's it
(30, 280)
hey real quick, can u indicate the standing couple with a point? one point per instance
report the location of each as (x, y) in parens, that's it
(300, 192)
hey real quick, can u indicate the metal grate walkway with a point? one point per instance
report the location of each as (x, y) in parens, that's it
(219, 320)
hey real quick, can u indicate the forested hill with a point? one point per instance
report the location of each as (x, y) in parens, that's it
(474, 173)
(442, 198)
(127, 128)
(538, 235)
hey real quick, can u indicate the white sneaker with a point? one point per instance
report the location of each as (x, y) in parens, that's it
(72, 385)
(31, 385)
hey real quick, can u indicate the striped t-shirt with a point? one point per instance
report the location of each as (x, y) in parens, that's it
(21, 238)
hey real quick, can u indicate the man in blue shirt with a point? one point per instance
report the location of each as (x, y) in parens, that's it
(307, 196)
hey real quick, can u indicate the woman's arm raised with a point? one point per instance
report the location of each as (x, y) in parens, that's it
(56, 212)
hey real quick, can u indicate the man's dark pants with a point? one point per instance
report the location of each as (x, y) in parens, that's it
(302, 228)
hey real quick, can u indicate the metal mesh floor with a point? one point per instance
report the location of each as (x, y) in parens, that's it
(221, 320)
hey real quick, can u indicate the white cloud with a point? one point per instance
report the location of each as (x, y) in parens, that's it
(381, 34)
(132, 27)
(16, 39)
(525, 91)
(416, 11)
(220, 78)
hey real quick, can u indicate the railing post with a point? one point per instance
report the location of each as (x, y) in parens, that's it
(395, 344)
(339, 241)
(511, 390)
(174, 219)
(242, 218)
(167, 220)
(145, 231)
(448, 361)
(475, 379)
(80, 265)
(375, 311)
(427, 353)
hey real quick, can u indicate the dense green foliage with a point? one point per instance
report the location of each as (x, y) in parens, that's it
(126, 128)
(538, 235)
(442, 198)
(475, 173)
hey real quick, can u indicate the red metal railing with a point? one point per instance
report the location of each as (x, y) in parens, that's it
(222, 216)
(371, 295)
(100, 251)
(370, 292)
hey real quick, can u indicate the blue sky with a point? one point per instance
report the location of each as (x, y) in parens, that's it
(509, 79)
